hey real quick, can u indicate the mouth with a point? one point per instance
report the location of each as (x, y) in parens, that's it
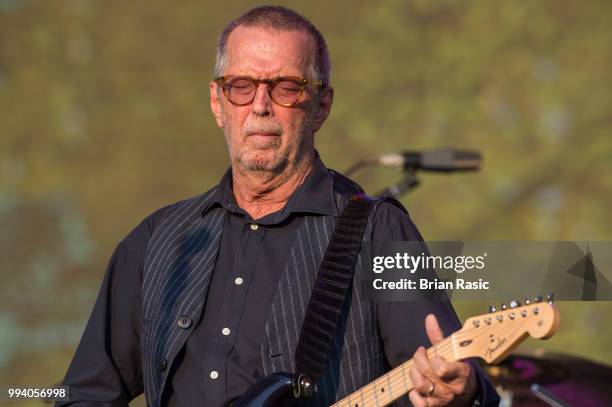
(266, 139)
(262, 135)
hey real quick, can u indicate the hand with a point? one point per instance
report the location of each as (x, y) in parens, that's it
(437, 382)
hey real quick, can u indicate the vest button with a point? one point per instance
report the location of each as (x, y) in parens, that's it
(184, 322)
(162, 364)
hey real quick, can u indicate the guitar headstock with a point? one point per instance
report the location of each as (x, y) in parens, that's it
(492, 336)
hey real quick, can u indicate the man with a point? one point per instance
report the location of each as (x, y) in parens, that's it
(207, 296)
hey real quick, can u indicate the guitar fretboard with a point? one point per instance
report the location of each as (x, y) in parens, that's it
(396, 382)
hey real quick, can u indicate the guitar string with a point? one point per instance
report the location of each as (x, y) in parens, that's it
(370, 394)
(408, 364)
(442, 347)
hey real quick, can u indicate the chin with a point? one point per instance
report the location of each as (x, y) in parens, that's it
(260, 160)
(264, 164)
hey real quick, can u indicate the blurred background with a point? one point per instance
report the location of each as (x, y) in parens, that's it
(104, 117)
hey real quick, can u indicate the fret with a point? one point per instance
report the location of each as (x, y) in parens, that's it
(403, 369)
(375, 393)
(390, 387)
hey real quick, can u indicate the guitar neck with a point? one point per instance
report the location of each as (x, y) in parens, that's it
(396, 382)
(490, 337)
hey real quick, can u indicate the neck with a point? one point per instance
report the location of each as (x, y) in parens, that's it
(396, 382)
(260, 193)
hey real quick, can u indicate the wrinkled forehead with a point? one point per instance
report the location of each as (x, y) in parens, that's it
(264, 52)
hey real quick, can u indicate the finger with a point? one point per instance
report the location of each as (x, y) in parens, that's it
(448, 371)
(434, 332)
(420, 382)
(416, 399)
(421, 362)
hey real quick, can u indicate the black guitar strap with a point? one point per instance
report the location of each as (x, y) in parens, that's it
(329, 293)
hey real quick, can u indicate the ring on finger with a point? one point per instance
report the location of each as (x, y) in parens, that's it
(431, 390)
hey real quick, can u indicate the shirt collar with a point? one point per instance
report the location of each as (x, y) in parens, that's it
(315, 195)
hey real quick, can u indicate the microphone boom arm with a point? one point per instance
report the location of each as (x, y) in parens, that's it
(408, 182)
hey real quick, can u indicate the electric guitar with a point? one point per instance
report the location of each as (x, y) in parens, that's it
(490, 337)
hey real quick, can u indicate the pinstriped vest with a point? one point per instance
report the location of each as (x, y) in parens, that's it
(179, 262)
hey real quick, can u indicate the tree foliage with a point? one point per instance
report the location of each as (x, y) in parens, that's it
(104, 117)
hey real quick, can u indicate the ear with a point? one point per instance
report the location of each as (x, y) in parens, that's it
(215, 103)
(323, 107)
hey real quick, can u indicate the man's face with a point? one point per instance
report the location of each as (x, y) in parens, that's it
(264, 136)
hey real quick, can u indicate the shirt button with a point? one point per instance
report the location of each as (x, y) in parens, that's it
(184, 322)
(162, 364)
(214, 374)
(238, 280)
(225, 331)
(254, 226)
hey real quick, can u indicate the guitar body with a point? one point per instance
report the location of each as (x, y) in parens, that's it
(267, 391)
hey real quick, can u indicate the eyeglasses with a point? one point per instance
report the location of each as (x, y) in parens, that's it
(285, 90)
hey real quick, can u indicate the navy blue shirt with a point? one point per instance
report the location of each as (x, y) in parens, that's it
(221, 358)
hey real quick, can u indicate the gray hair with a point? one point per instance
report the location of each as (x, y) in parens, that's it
(279, 18)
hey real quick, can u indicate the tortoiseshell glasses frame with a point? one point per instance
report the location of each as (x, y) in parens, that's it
(285, 91)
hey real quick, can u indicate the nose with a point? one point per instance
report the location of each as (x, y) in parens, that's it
(262, 104)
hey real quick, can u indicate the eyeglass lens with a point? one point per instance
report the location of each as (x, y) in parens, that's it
(283, 91)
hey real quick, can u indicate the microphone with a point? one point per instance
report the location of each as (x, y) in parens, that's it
(446, 159)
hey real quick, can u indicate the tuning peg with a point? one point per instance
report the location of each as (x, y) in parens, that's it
(527, 301)
(492, 308)
(514, 304)
(538, 298)
(503, 306)
(550, 298)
